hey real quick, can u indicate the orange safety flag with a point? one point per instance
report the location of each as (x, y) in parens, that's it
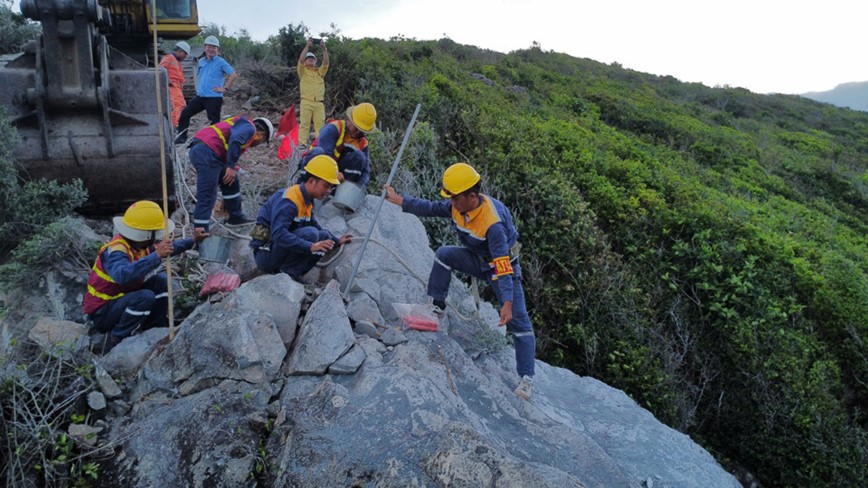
(287, 127)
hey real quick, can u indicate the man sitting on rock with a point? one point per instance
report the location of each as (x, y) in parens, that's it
(489, 252)
(120, 296)
(287, 237)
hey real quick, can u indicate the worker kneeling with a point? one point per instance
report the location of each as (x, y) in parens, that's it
(120, 296)
(287, 237)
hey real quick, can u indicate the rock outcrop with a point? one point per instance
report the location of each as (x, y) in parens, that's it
(287, 385)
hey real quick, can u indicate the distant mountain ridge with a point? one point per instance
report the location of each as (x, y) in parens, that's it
(851, 95)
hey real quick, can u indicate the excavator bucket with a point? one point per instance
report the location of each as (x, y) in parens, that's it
(115, 154)
(85, 111)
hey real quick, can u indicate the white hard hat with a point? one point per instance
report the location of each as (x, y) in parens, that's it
(268, 124)
(212, 41)
(182, 45)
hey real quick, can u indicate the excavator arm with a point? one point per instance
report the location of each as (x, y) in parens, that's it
(85, 110)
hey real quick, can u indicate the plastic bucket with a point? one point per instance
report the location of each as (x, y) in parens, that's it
(214, 248)
(349, 196)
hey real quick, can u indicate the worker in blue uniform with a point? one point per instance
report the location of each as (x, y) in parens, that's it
(287, 238)
(347, 142)
(489, 251)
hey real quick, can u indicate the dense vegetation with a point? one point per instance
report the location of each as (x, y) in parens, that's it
(703, 249)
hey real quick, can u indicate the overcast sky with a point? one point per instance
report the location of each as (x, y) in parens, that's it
(781, 46)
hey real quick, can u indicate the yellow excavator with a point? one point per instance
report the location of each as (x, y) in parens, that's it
(83, 99)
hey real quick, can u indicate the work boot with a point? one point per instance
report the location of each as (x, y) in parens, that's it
(239, 220)
(438, 308)
(524, 388)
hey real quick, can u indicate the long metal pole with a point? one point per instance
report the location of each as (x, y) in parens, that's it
(382, 199)
(161, 127)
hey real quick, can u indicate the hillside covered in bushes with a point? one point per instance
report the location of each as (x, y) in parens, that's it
(703, 249)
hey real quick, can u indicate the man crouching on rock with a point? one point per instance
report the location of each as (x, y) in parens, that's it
(119, 298)
(287, 237)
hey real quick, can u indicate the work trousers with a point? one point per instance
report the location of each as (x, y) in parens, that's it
(311, 112)
(209, 176)
(137, 310)
(176, 95)
(211, 106)
(282, 259)
(449, 258)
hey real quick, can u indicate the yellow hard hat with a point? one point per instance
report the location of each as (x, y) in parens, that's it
(323, 167)
(363, 116)
(142, 221)
(459, 178)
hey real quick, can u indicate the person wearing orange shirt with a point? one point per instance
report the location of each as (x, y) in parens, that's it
(172, 63)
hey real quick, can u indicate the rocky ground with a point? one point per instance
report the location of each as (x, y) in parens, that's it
(279, 383)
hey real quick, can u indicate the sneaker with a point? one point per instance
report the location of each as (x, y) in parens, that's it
(524, 388)
(438, 308)
(239, 220)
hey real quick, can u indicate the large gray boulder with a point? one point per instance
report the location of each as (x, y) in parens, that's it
(125, 359)
(206, 439)
(224, 404)
(275, 295)
(212, 345)
(325, 335)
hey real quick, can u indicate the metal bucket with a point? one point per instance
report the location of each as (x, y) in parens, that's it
(349, 196)
(214, 248)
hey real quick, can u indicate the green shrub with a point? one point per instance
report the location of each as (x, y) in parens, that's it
(15, 29)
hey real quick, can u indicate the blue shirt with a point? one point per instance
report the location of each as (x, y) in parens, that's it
(118, 265)
(212, 73)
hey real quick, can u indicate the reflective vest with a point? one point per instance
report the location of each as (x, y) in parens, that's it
(344, 139)
(217, 136)
(473, 228)
(305, 210)
(101, 288)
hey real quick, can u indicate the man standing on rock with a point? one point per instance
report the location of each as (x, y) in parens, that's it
(120, 297)
(311, 90)
(215, 77)
(490, 252)
(287, 237)
(214, 152)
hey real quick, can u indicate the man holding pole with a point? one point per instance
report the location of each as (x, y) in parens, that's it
(119, 298)
(489, 251)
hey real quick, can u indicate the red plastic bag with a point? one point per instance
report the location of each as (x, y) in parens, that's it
(220, 281)
(417, 317)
